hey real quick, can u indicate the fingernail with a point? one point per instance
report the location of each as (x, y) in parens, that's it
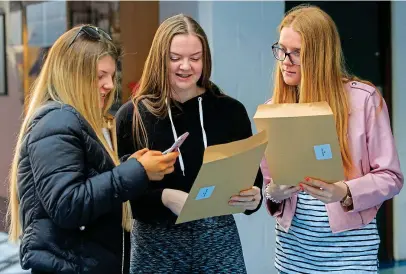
(307, 179)
(301, 187)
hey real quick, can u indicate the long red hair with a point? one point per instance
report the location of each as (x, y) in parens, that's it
(322, 68)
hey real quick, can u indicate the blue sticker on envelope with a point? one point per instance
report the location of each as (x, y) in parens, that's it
(205, 192)
(323, 152)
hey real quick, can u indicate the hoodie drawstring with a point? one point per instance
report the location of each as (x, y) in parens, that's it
(201, 122)
(175, 136)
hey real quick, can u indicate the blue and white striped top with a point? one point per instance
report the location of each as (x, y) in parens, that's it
(311, 247)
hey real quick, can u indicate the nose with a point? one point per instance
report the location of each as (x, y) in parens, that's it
(185, 65)
(287, 61)
(109, 84)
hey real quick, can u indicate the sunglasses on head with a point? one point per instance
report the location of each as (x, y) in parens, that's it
(94, 33)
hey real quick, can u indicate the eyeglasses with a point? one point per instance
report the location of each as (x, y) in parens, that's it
(94, 33)
(280, 54)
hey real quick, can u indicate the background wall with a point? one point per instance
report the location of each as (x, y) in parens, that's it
(11, 108)
(399, 114)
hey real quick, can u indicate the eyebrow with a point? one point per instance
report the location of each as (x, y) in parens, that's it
(294, 49)
(105, 72)
(174, 53)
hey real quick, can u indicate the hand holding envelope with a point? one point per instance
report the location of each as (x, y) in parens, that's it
(176, 199)
(247, 199)
(278, 193)
(327, 193)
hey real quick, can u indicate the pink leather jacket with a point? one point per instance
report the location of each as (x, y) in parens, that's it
(374, 157)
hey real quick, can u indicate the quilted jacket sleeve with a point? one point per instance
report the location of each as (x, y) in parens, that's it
(70, 196)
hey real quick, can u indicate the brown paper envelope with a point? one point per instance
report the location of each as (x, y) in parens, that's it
(302, 141)
(227, 169)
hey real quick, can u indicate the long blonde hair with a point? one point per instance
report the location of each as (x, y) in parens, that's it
(155, 87)
(323, 72)
(68, 76)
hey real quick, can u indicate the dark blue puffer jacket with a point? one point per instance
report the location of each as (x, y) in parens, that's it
(71, 196)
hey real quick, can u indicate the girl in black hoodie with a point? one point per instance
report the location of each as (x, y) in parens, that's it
(176, 96)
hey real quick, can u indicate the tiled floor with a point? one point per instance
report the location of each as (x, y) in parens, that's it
(398, 268)
(9, 262)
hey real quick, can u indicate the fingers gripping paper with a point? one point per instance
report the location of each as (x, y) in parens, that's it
(227, 169)
(302, 142)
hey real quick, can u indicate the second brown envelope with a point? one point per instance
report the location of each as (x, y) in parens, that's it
(302, 142)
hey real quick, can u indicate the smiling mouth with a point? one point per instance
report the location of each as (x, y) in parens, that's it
(183, 75)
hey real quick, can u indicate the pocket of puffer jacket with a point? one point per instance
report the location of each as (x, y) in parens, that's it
(45, 247)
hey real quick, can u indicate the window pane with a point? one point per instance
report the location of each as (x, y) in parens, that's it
(46, 21)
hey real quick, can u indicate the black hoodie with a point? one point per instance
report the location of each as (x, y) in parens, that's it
(224, 120)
